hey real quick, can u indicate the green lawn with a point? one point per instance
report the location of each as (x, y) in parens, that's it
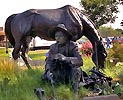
(38, 55)
(34, 55)
(3, 53)
(18, 83)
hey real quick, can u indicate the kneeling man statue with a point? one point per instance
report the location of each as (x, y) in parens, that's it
(64, 59)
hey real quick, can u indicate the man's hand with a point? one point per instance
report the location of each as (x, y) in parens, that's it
(60, 57)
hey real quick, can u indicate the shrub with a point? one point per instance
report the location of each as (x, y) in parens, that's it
(116, 52)
(87, 48)
(8, 70)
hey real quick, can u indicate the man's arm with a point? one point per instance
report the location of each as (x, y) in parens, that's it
(75, 57)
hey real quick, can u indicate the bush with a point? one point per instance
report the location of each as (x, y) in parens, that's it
(87, 48)
(8, 70)
(116, 52)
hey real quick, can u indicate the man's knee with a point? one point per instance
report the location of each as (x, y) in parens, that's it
(76, 74)
(77, 71)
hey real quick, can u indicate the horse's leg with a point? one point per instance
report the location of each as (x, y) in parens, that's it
(25, 49)
(19, 39)
(16, 50)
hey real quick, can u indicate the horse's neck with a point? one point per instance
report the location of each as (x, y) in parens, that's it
(90, 31)
(94, 38)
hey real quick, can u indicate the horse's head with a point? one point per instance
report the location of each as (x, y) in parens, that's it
(99, 56)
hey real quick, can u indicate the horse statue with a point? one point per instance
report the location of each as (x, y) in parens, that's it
(21, 27)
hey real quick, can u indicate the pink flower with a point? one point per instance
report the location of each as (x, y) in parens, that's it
(87, 48)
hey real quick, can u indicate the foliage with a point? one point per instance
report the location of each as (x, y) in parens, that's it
(122, 23)
(3, 53)
(120, 31)
(18, 83)
(87, 48)
(117, 51)
(8, 69)
(121, 2)
(20, 86)
(101, 11)
(109, 32)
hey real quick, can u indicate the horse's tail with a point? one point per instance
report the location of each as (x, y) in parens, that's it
(8, 32)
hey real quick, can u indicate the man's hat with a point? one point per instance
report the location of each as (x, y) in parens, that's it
(59, 27)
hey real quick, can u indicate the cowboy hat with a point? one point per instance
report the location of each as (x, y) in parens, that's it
(59, 27)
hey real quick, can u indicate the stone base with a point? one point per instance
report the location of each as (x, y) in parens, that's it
(106, 97)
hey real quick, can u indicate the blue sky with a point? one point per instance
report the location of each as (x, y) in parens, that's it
(9, 7)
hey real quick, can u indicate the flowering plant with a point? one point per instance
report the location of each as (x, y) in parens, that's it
(87, 48)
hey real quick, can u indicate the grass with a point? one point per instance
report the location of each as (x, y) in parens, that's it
(3, 54)
(18, 83)
(38, 55)
(34, 55)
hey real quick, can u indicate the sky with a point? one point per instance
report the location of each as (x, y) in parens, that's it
(9, 7)
(118, 20)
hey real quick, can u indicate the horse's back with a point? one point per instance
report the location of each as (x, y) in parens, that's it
(41, 20)
(67, 15)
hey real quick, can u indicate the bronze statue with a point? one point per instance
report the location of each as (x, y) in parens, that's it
(34, 22)
(64, 59)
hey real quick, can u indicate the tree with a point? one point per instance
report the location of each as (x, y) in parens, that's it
(122, 23)
(109, 32)
(100, 11)
(121, 2)
(119, 30)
